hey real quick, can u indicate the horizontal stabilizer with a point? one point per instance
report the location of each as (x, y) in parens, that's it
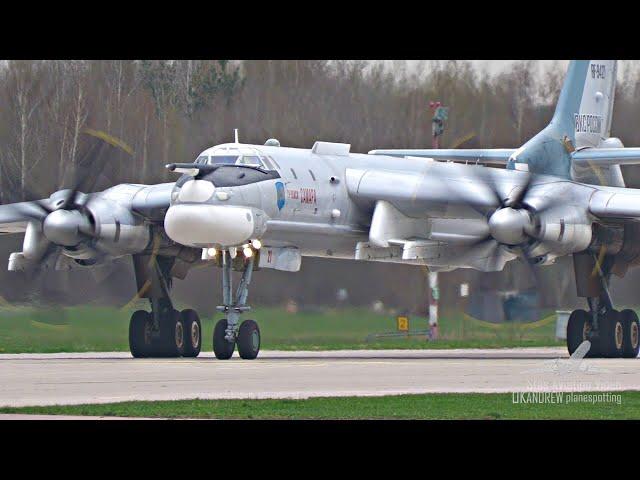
(606, 156)
(498, 156)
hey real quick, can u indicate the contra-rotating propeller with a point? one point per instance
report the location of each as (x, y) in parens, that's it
(63, 220)
(513, 223)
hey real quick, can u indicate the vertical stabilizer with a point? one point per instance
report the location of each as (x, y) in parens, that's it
(593, 125)
(593, 120)
(549, 152)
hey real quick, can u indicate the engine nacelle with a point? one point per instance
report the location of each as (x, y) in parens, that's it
(563, 231)
(118, 231)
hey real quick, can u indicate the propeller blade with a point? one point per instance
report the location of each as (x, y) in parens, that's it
(521, 193)
(488, 183)
(88, 168)
(35, 210)
(47, 261)
(488, 249)
(531, 265)
(477, 194)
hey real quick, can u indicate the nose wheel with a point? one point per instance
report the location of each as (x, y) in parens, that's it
(222, 348)
(229, 332)
(248, 340)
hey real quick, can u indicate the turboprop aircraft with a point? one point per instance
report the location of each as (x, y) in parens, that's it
(246, 207)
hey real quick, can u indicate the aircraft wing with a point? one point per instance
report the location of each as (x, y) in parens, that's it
(607, 156)
(497, 156)
(439, 186)
(14, 217)
(150, 202)
(614, 202)
(153, 201)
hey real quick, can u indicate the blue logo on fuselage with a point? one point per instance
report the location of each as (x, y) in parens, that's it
(280, 194)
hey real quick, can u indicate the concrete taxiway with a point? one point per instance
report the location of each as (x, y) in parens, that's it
(74, 378)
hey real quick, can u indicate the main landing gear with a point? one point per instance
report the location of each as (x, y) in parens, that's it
(612, 334)
(229, 332)
(163, 332)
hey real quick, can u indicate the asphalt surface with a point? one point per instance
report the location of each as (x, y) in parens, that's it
(75, 378)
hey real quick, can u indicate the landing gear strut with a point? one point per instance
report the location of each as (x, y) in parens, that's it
(612, 334)
(229, 331)
(163, 332)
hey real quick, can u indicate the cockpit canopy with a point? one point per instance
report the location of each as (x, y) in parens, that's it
(236, 155)
(237, 165)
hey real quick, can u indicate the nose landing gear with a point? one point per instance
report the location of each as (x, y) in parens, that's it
(229, 331)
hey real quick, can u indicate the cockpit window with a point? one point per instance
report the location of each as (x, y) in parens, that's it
(268, 162)
(273, 160)
(223, 159)
(251, 160)
(236, 155)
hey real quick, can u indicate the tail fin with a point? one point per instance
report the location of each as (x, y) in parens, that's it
(593, 120)
(549, 152)
(571, 97)
(593, 128)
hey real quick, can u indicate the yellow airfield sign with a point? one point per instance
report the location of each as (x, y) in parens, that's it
(402, 323)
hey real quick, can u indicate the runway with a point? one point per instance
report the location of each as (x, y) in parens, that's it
(74, 378)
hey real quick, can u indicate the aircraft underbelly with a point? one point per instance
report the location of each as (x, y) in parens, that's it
(315, 240)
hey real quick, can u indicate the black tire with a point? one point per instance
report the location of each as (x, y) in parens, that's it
(611, 335)
(577, 329)
(248, 340)
(140, 334)
(222, 348)
(192, 333)
(631, 328)
(171, 341)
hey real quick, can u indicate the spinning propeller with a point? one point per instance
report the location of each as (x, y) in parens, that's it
(63, 220)
(512, 223)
